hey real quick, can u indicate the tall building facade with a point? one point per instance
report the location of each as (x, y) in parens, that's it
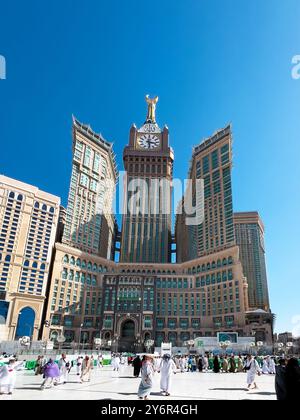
(212, 162)
(28, 223)
(90, 223)
(249, 233)
(146, 224)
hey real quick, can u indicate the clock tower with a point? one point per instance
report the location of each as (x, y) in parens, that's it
(148, 162)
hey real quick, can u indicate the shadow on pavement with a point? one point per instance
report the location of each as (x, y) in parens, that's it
(228, 389)
(263, 393)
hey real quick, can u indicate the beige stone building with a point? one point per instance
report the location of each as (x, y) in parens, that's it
(28, 223)
(126, 303)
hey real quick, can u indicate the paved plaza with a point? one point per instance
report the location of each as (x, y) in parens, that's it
(106, 384)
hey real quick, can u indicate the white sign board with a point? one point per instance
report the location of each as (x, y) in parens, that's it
(166, 348)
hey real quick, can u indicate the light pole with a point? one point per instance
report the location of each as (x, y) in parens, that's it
(189, 343)
(61, 339)
(252, 345)
(224, 344)
(81, 325)
(259, 345)
(148, 344)
(288, 346)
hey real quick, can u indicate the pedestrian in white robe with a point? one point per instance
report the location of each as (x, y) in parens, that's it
(147, 372)
(182, 364)
(272, 368)
(63, 365)
(8, 374)
(86, 369)
(116, 363)
(205, 364)
(167, 367)
(252, 368)
(79, 364)
(265, 367)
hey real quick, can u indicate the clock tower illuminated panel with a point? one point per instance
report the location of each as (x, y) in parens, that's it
(146, 227)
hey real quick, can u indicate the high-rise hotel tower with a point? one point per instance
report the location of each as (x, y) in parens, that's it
(212, 162)
(90, 223)
(146, 224)
(28, 224)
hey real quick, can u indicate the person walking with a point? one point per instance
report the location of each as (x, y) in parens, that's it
(137, 364)
(182, 364)
(252, 368)
(205, 363)
(265, 368)
(232, 366)
(280, 380)
(147, 372)
(38, 366)
(225, 364)
(8, 374)
(200, 364)
(167, 367)
(51, 373)
(100, 360)
(216, 363)
(79, 365)
(272, 369)
(116, 363)
(63, 365)
(86, 370)
(292, 380)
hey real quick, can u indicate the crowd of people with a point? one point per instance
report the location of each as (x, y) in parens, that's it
(286, 371)
(56, 372)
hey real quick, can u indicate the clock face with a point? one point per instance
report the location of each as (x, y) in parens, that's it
(148, 141)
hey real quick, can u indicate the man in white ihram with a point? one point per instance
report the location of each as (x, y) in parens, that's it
(167, 366)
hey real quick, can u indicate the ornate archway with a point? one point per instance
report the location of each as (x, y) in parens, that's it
(127, 336)
(25, 323)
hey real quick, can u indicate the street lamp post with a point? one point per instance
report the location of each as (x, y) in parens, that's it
(252, 346)
(288, 346)
(148, 344)
(224, 344)
(189, 343)
(259, 345)
(61, 339)
(81, 325)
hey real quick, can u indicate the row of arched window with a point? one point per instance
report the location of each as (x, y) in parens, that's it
(77, 276)
(18, 197)
(211, 266)
(43, 207)
(34, 265)
(83, 264)
(149, 271)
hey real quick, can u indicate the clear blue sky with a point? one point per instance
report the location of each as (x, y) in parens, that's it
(210, 61)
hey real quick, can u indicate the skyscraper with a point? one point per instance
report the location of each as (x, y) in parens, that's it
(146, 224)
(212, 162)
(249, 233)
(90, 223)
(28, 223)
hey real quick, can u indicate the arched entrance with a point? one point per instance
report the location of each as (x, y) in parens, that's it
(127, 336)
(25, 322)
